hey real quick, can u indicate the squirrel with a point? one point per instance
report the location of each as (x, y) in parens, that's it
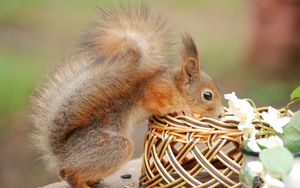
(123, 74)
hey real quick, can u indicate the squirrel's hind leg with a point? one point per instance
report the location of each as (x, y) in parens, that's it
(75, 178)
(104, 153)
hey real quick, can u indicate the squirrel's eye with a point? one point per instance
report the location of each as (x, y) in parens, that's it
(207, 95)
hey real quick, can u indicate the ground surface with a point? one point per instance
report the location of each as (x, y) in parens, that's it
(116, 181)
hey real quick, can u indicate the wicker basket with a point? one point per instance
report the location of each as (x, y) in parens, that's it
(184, 152)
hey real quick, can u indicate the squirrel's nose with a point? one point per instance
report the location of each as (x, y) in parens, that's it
(221, 113)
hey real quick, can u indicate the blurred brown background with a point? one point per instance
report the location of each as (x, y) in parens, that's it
(233, 38)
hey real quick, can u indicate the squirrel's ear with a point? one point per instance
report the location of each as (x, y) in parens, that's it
(191, 67)
(189, 53)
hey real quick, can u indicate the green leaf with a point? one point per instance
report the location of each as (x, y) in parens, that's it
(277, 161)
(293, 146)
(295, 94)
(295, 120)
(291, 134)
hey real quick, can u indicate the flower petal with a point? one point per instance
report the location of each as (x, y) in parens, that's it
(277, 124)
(281, 122)
(273, 112)
(256, 167)
(267, 117)
(230, 96)
(252, 144)
(271, 182)
(277, 128)
(270, 142)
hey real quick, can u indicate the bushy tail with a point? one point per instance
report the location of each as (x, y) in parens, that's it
(128, 28)
(64, 97)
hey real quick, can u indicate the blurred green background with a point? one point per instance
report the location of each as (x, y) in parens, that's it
(35, 35)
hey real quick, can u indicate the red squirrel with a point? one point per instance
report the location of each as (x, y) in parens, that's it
(123, 74)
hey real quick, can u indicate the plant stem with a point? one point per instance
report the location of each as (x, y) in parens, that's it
(289, 104)
(257, 113)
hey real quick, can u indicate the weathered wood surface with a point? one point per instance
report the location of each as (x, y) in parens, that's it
(133, 168)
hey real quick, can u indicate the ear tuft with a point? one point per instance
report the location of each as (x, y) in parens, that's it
(189, 48)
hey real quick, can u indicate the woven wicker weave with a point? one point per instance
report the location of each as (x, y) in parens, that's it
(184, 152)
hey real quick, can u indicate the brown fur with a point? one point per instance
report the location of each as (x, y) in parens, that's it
(84, 111)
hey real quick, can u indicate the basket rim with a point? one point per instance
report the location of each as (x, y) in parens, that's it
(205, 123)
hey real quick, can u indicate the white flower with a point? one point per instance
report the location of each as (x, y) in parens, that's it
(244, 113)
(274, 119)
(270, 142)
(242, 109)
(271, 182)
(256, 168)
